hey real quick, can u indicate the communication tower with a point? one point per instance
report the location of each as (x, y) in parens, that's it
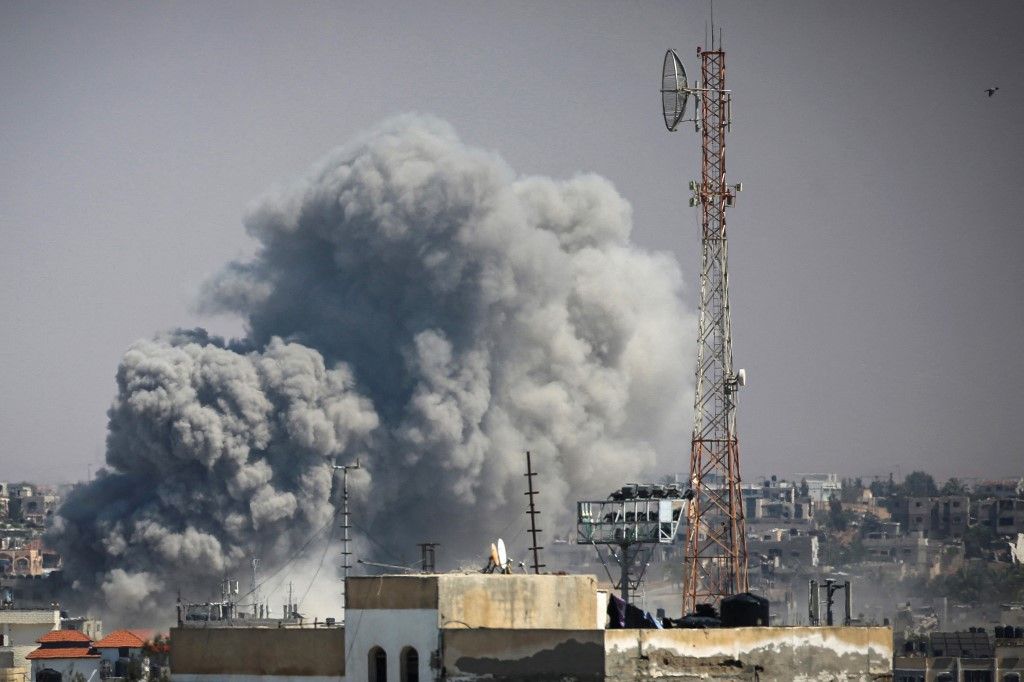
(716, 546)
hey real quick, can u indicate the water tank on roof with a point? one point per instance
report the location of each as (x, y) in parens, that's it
(744, 610)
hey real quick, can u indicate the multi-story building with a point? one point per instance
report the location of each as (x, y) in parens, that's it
(971, 656)
(941, 517)
(1004, 488)
(20, 630)
(1005, 516)
(788, 548)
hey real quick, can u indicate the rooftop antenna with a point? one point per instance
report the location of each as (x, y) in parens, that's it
(346, 526)
(428, 556)
(716, 546)
(530, 473)
(255, 587)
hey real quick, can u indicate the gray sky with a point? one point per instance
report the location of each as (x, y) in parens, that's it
(875, 252)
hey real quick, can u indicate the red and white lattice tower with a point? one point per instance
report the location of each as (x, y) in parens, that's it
(716, 547)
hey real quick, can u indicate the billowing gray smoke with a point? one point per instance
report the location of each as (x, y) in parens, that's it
(413, 304)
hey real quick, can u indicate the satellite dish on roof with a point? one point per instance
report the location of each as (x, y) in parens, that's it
(675, 91)
(502, 554)
(494, 554)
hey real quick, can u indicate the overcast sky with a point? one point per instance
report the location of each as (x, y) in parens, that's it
(875, 252)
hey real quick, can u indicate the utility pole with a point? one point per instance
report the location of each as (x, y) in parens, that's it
(345, 527)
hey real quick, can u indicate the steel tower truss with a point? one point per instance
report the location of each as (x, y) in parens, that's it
(716, 547)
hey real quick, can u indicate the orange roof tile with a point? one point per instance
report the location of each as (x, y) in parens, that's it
(63, 652)
(122, 638)
(64, 636)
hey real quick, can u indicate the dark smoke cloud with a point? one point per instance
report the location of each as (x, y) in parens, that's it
(416, 305)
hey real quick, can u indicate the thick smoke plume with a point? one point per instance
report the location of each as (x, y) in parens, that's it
(412, 304)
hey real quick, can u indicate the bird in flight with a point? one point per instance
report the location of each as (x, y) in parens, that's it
(991, 91)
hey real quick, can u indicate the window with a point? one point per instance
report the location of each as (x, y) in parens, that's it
(122, 652)
(1011, 677)
(410, 665)
(377, 665)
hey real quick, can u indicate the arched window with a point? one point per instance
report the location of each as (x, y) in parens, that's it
(410, 665)
(377, 665)
(48, 675)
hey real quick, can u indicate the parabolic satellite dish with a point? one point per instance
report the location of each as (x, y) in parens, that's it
(502, 555)
(674, 90)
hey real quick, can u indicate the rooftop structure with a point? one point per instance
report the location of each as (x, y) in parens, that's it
(504, 627)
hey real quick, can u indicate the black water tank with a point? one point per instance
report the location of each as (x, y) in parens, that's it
(744, 610)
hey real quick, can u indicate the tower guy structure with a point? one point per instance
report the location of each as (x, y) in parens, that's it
(716, 547)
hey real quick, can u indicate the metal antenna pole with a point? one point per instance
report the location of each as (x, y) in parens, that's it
(716, 548)
(530, 473)
(255, 588)
(345, 527)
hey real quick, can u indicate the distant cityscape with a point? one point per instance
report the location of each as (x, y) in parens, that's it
(926, 559)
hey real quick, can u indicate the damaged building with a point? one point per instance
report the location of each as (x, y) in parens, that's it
(408, 628)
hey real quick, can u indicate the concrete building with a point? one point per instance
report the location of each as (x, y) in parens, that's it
(1003, 515)
(961, 657)
(821, 487)
(465, 627)
(20, 630)
(121, 648)
(1004, 488)
(24, 561)
(940, 517)
(790, 549)
(65, 655)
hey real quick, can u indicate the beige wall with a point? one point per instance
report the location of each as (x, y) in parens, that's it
(562, 602)
(294, 652)
(392, 592)
(556, 602)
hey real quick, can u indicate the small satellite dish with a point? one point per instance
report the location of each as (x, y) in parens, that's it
(674, 90)
(502, 555)
(741, 377)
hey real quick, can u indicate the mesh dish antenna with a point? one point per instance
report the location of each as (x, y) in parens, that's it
(675, 91)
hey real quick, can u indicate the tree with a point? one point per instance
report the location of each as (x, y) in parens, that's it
(919, 484)
(851, 490)
(977, 540)
(954, 486)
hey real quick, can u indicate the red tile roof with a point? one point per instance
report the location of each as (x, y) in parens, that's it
(57, 636)
(132, 639)
(63, 652)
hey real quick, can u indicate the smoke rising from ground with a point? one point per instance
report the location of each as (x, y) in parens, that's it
(414, 304)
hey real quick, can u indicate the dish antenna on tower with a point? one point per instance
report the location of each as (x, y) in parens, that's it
(675, 91)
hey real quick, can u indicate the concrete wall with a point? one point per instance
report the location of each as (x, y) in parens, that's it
(509, 655)
(552, 602)
(23, 627)
(566, 602)
(392, 592)
(287, 652)
(773, 654)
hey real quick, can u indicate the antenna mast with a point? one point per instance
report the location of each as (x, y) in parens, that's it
(532, 511)
(716, 546)
(345, 528)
